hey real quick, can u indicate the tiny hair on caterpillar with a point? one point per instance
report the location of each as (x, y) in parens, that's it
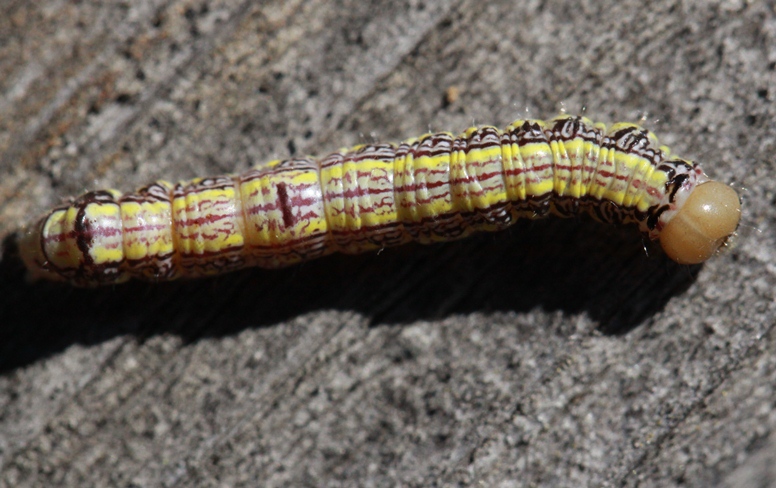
(432, 188)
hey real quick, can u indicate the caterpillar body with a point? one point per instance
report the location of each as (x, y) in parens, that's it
(432, 188)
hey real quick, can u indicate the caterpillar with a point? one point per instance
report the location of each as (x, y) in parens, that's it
(432, 188)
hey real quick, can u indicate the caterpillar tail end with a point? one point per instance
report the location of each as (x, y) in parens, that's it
(31, 254)
(703, 225)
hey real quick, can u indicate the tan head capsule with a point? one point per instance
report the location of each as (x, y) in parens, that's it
(707, 219)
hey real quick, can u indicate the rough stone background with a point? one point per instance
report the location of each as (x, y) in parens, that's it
(554, 354)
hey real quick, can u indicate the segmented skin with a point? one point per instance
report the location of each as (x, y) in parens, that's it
(433, 188)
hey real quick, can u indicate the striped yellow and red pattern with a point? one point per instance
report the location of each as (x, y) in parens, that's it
(432, 188)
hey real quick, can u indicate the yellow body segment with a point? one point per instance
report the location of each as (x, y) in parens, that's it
(284, 213)
(206, 221)
(147, 232)
(422, 182)
(358, 188)
(540, 178)
(63, 251)
(109, 248)
(477, 174)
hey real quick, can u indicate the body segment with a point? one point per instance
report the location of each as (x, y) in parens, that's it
(433, 188)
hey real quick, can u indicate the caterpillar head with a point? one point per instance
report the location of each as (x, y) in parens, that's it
(703, 224)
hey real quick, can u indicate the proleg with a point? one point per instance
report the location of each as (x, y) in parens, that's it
(432, 188)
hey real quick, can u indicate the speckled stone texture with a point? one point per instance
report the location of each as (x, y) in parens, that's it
(554, 354)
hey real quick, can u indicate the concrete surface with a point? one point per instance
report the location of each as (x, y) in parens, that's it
(554, 354)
